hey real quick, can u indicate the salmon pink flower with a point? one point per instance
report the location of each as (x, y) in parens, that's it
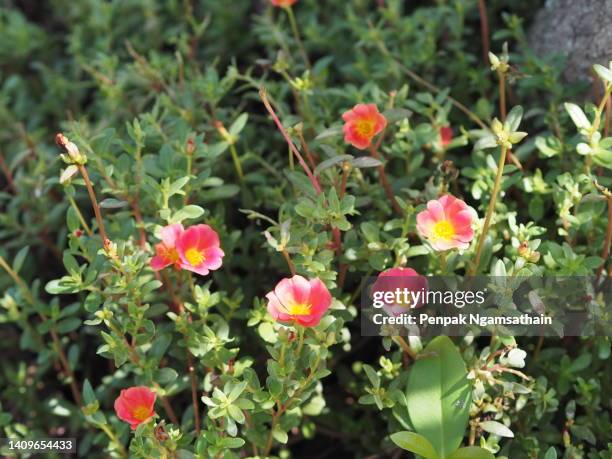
(406, 280)
(135, 405)
(283, 3)
(447, 223)
(299, 300)
(362, 123)
(198, 249)
(166, 253)
(446, 135)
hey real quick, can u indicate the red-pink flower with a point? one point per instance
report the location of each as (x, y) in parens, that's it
(385, 290)
(299, 300)
(447, 223)
(362, 123)
(446, 135)
(135, 405)
(198, 249)
(283, 3)
(165, 251)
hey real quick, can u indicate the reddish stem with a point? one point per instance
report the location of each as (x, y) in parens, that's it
(292, 147)
(7, 172)
(484, 30)
(383, 176)
(94, 202)
(309, 155)
(605, 253)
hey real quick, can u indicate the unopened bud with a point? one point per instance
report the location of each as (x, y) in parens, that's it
(523, 249)
(74, 154)
(190, 147)
(224, 133)
(160, 432)
(532, 256)
(110, 248)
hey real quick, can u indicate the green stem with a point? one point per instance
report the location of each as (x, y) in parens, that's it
(236, 160)
(79, 215)
(296, 35)
(401, 342)
(191, 285)
(502, 94)
(113, 438)
(490, 209)
(442, 256)
(188, 172)
(301, 333)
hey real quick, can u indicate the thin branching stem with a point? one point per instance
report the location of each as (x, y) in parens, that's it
(496, 187)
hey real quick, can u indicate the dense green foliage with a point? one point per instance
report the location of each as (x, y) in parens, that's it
(163, 100)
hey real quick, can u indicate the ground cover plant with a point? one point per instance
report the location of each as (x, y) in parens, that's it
(191, 194)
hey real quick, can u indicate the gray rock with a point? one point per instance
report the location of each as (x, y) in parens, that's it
(581, 30)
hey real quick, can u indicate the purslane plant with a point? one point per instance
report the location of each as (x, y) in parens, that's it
(213, 263)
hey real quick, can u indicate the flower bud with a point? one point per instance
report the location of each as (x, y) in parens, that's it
(160, 432)
(190, 147)
(532, 256)
(74, 155)
(224, 133)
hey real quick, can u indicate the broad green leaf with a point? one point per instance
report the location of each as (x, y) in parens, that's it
(366, 161)
(237, 390)
(187, 212)
(280, 435)
(238, 125)
(236, 413)
(471, 452)
(112, 203)
(439, 395)
(330, 132)
(513, 120)
(89, 396)
(20, 258)
(551, 453)
(496, 428)
(394, 115)
(603, 158)
(577, 116)
(331, 162)
(232, 443)
(414, 443)
(68, 173)
(68, 325)
(603, 72)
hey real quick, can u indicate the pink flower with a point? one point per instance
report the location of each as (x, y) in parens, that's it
(198, 249)
(166, 253)
(362, 123)
(447, 223)
(283, 3)
(446, 135)
(135, 405)
(299, 300)
(404, 279)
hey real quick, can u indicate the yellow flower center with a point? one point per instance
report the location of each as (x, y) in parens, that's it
(299, 309)
(141, 413)
(443, 230)
(194, 256)
(365, 128)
